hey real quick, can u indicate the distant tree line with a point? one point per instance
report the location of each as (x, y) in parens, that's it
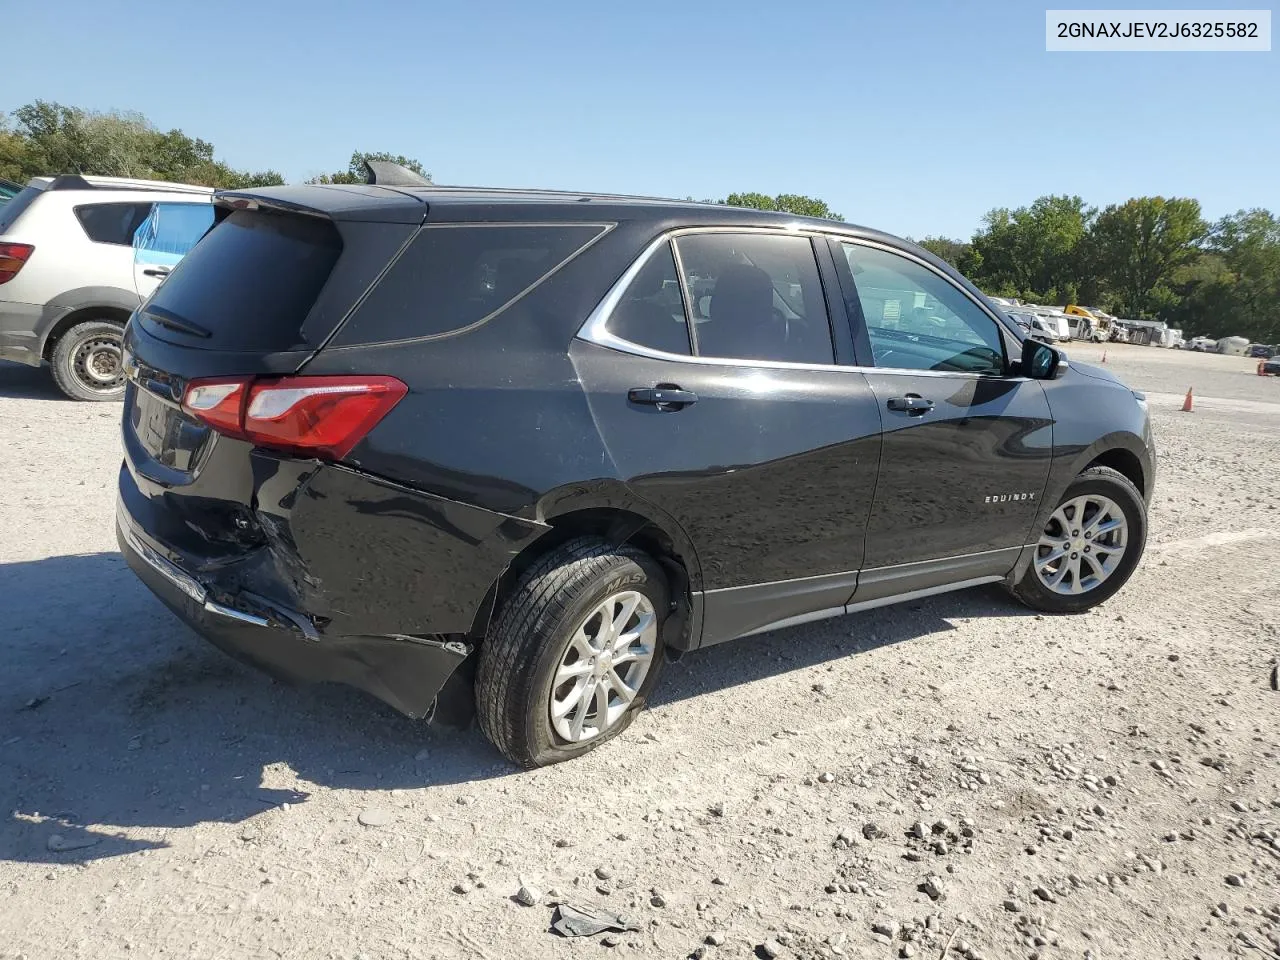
(1147, 258)
(44, 138)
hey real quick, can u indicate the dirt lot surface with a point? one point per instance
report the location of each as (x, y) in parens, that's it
(956, 776)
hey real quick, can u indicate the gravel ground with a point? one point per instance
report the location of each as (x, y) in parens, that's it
(954, 777)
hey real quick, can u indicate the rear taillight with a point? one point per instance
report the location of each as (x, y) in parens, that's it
(308, 416)
(13, 257)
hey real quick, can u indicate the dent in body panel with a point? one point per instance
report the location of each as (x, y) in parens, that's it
(424, 563)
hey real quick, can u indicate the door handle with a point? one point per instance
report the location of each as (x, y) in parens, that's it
(663, 397)
(912, 403)
(156, 271)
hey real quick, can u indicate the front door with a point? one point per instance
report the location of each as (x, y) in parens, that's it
(164, 238)
(740, 426)
(967, 447)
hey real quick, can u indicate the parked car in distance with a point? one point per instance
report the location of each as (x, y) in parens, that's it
(1233, 346)
(1261, 351)
(1054, 324)
(1097, 327)
(1033, 325)
(1202, 344)
(77, 256)
(373, 433)
(1272, 367)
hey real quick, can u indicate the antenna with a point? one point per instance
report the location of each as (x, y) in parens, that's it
(384, 173)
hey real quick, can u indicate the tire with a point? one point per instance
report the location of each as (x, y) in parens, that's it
(556, 600)
(87, 361)
(1097, 482)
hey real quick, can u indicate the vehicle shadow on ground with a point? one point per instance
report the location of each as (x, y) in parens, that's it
(113, 715)
(20, 382)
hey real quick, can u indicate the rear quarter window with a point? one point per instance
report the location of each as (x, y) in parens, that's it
(452, 277)
(114, 223)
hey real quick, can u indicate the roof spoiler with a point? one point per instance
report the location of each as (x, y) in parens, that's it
(231, 201)
(384, 173)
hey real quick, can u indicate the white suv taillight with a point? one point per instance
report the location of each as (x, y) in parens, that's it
(13, 257)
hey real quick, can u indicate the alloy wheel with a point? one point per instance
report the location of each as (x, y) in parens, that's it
(1082, 544)
(603, 666)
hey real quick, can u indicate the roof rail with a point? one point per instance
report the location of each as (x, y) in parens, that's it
(76, 181)
(548, 192)
(384, 173)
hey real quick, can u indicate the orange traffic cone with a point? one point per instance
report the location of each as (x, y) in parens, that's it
(1104, 356)
(1186, 404)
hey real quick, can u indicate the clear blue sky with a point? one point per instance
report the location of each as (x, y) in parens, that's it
(913, 117)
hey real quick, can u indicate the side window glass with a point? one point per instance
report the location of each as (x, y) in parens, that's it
(113, 223)
(756, 297)
(453, 276)
(651, 311)
(172, 229)
(916, 320)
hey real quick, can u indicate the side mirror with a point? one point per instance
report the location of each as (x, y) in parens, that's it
(1041, 361)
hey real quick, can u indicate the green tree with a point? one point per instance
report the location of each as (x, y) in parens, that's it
(50, 138)
(355, 172)
(1233, 288)
(1035, 252)
(14, 162)
(798, 204)
(1140, 244)
(952, 251)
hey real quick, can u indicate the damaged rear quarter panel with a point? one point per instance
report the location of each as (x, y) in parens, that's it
(376, 557)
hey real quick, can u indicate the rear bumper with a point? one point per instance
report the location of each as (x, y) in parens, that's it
(404, 672)
(20, 340)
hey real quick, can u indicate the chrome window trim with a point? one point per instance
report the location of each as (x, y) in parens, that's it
(595, 328)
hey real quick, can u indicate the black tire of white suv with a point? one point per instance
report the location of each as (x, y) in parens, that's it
(88, 361)
(1102, 502)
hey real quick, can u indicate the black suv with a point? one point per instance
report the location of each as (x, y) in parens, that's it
(375, 432)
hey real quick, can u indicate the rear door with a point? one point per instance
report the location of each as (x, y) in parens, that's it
(746, 425)
(165, 237)
(967, 446)
(111, 226)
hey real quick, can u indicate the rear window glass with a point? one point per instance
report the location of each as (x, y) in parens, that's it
(250, 282)
(453, 277)
(112, 222)
(10, 210)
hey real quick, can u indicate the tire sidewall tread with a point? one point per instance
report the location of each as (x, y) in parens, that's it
(64, 375)
(522, 649)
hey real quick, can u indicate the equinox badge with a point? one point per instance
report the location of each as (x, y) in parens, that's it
(1008, 497)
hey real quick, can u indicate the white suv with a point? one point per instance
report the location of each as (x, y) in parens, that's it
(77, 255)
